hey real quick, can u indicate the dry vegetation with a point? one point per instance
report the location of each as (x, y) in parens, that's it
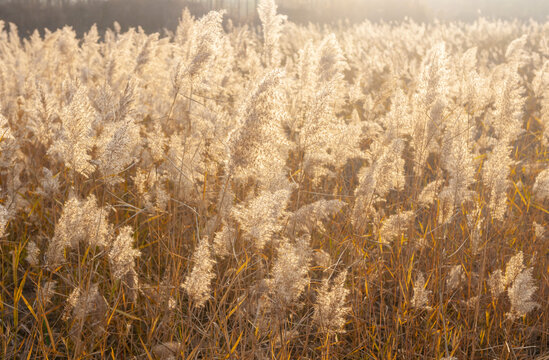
(351, 192)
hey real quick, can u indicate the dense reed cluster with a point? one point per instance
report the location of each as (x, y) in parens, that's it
(375, 191)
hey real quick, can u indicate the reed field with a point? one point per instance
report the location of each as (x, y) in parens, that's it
(367, 191)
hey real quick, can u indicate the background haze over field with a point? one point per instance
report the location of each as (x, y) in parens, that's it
(155, 15)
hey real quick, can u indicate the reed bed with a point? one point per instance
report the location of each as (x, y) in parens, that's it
(371, 191)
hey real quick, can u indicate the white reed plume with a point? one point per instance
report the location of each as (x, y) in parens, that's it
(289, 274)
(257, 148)
(205, 40)
(520, 294)
(33, 254)
(4, 218)
(198, 282)
(118, 149)
(272, 24)
(420, 300)
(430, 102)
(80, 221)
(495, 173)
(122, 254)
(309, 216)
(395, 226)
(260, 218)
(74, 141)
(509, 106)
(541, 186)
(330, 309)
(520, 286)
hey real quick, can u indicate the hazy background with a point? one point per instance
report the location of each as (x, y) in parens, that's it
(155, 15)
